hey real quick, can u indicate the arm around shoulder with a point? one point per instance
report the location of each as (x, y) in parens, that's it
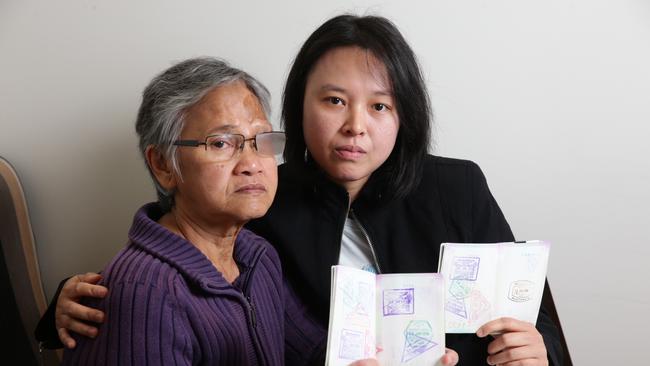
(45, 331)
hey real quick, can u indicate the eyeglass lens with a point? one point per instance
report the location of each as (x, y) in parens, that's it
(270, 144)
(224, 147)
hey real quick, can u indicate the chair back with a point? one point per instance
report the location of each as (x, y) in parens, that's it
(19, 255)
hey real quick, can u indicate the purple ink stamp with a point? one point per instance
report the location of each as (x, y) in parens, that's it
(399, 301)
(352, 344)
(456, 306)
(465, 268)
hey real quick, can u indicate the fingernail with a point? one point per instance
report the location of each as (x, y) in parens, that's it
(479, 333)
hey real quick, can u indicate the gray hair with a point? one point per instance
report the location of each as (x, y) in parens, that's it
(169, 95)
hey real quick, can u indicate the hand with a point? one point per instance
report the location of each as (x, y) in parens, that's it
(70, 315)
(515, 343)
(366, 362)
(449, 359)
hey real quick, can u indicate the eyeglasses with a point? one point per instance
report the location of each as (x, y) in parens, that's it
(223, 147)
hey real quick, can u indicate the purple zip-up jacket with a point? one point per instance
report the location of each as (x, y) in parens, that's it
(168, 305)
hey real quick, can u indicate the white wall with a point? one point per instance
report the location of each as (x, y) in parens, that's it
(551, 98)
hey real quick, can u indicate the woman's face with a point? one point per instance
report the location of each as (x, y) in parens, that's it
(232, 191)
(349, 118)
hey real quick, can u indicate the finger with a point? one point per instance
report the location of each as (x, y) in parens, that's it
(527, 362)
(80, 312)
(515, 354)
(502, 325)
(450, 358)
(514, 339)
(366, 362)
(72, 325)
(83, 289)
(65, 338)
(89, 277)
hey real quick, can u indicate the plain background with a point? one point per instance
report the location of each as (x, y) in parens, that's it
(551, 98)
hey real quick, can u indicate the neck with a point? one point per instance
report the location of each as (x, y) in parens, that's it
(216, 243)
(353, 188)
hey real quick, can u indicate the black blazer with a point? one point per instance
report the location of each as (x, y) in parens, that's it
(452, 203)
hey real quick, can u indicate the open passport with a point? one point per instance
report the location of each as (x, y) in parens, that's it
(398, 314)
(484, 282)
(401, 319)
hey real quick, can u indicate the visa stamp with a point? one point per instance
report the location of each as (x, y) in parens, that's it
(521, 291)
(465, 268)
(418, 338)
(399, 301)
(352, 345)
(456, 306)
(460, 289)
(478, 306)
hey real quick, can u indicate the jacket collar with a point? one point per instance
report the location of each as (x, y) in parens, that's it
(181, 254)
(374, 191)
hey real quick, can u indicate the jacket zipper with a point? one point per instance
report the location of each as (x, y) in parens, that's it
(365, 234)
(251, 307)
(247, 303)
(245, 292)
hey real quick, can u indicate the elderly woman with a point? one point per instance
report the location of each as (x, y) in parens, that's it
(192, 286)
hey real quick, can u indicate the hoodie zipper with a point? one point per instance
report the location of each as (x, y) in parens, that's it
(365, 234)
(250, 307)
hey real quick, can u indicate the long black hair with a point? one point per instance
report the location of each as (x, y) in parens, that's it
(378, 35)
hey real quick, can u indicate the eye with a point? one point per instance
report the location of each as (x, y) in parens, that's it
(380, 107)
(221, 143)
(335, 100)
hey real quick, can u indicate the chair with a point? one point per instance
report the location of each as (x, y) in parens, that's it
(25, 302)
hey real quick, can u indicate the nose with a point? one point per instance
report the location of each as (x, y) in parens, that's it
(248, 162)
(356, 122)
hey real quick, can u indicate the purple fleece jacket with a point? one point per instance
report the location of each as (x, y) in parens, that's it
(168, 305)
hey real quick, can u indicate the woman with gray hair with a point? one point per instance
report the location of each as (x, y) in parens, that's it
(193, 286)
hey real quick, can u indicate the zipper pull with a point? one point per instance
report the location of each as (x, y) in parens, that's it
(252, 311)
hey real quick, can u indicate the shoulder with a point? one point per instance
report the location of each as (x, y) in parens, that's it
(448, 168)
(450, 176)
(135, 268)
(143, 308)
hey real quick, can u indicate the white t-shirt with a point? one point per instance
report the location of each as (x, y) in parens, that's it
(355, 249)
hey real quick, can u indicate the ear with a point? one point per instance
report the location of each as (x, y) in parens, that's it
(161, 168)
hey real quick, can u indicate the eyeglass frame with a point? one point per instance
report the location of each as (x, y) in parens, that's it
(240, 148)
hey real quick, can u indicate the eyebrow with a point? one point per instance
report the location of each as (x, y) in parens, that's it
(332, 87)
(336, 88)
(220, 129)
(233, 128)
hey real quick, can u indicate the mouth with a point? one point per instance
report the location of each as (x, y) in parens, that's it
(349, 152)
(251, 188)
